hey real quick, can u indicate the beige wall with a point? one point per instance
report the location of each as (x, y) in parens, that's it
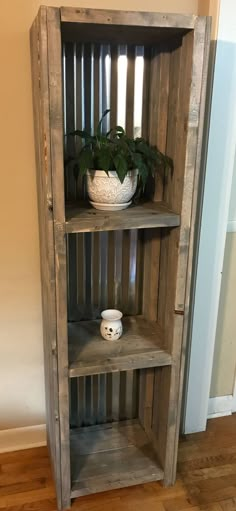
(223, 376)
(210, 8)
(21, 354)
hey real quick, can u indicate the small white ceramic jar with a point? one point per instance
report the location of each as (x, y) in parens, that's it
(111, 325)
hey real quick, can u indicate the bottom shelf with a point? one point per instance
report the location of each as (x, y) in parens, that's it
(111, 456)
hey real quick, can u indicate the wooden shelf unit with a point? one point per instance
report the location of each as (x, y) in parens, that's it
(113, 409)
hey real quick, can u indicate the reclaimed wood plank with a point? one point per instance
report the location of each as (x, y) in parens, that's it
(57, 162)
(147, 215)
(140, 346)
(38, 40)
(115, 17)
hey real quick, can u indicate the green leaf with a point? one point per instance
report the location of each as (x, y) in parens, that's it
(80, 133)
(99, 127)
(85, 160)
(104, 158)
(141, 166)
(121, 166)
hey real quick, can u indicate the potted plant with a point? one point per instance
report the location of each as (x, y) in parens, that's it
(114, 164)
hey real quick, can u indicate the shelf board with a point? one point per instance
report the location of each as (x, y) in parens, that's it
(111, 456)
(140, 346)
(146, 215)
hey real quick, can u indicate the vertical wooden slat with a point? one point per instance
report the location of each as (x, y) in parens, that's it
(39, 63)
(151, 273)
(114, 73)
(103, 268)
(130, 91)
(157, 128)
(122, 401)
(71, 188)
(116, 396)
(73, 402)
(146, 381)
(111, 270)
(125, 271)
(95, 276)
(87, 86)
(70, 115)
(139, 274)
(56, 136)
(102, 400)
(88, 273)
(133, 271)
(129, 395)
(95, 398)
(88, 401)
(81, 401)
(118, 240)
(78, 111)
(146, 92)
(81, 300)
(109, 397)
(96, 56)
(72, 277)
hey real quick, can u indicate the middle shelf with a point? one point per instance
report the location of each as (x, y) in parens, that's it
(141, 345)
(84, 218)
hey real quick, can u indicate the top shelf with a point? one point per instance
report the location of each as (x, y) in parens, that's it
(147, 215)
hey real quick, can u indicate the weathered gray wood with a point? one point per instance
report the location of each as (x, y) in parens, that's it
(114, 85)
(112, 17)
(38, 39)
(56, 139)
(200, 68)
(135, 217)
(111, 456)
(130, 91)
(140, 346)
(193, 50)
(151, 273)
(173, 106)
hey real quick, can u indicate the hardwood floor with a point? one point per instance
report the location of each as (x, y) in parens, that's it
(206, 479)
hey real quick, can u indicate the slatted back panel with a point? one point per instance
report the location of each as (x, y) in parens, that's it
(103, 398)
(106, 269)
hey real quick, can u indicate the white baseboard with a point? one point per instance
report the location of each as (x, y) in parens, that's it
(22, 438)
(220, 406)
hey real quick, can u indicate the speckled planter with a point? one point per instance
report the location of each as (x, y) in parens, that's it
(107, 189)
(111, 325)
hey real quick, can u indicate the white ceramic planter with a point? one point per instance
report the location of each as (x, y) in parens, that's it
(111, 326)
(106, 192)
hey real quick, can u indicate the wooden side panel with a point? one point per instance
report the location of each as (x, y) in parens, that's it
(188, 102)
(57, 162)
(155, 99)
(38, 39)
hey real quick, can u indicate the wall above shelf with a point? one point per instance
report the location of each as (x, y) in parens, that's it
(147, 215)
